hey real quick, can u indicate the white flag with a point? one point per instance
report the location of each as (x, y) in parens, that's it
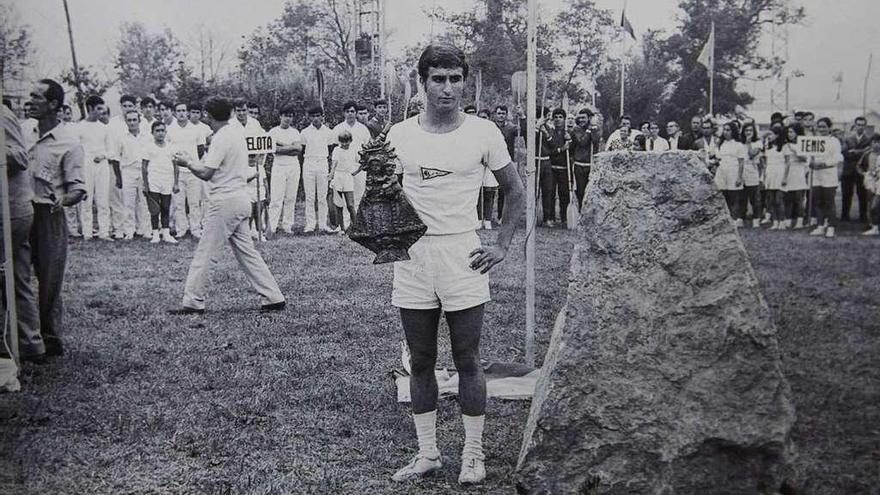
(707, 55)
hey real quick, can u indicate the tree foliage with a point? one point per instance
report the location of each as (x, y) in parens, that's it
(146, 62)
(15, 45)
(584, 33)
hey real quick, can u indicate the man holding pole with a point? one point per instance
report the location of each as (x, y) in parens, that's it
(443, 154)
(228, 209)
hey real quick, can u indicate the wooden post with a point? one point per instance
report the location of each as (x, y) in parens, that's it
(531, 219)
(79, 98)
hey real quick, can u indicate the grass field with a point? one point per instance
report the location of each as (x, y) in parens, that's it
(303, 401)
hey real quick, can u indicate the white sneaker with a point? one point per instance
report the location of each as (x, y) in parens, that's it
(472, 471)
(774, 226)
(813, 222)
(799, 223)
(119, 236)
(167, 237)
(308, 230)
(829, 232)
(872, 231)
(418, 467)
(756, 223)
(820, 230)
(738, 222)
(105, 237)
(128, 237)
(155, 239)
(487, 224)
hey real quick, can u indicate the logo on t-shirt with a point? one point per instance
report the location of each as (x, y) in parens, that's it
(433, 173)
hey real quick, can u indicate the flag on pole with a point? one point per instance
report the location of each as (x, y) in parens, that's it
(707, 55)
(625, 24)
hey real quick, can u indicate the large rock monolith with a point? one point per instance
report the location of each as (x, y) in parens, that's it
(663, 375)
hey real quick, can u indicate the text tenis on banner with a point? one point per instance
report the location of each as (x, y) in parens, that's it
(813, 145)
(259, 144)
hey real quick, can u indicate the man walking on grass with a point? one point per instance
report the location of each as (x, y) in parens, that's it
(228, 210)
(443, 154)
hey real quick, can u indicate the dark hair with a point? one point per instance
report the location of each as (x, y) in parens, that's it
(483, 112)
(146, 101)
(826, 120)
(862, 118)
(315, 110)
(359, 107)
(742, 133)
(626, 117)
(776, 117)
(125, 114)
(645, 123)
(167, 104)
(442, 55)
(156, 123)
(239, 103)
(194, 106)
(128, 98)
(559, 112)
(54, 92)
(733, 131)
(799, 115)
(501, 107)
(66, 107)
(178, 104)
(585, 111)
(91, 102)
(287, 110)
(470, 108)
(797, 128)
(808, 114)
(349, 104)
(251, 104)
(218, 108)
(380, 101)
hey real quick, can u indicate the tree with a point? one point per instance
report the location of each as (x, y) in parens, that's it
(15, 45)
(146, 62)
(90, 84)
(584, 33)
(738, 29)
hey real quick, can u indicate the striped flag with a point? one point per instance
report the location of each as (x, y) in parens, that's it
(707, 55)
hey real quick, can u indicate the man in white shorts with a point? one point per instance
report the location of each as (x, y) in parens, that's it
(443, 154)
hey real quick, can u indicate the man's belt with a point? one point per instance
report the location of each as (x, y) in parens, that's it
(542, 158)
(582, 164)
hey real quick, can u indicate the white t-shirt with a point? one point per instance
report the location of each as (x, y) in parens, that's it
(160, 169)
(316, 141)
(730, 152)
(660, 144)
(443, 173)
(95, 139)
(186, 139)
(285, 137)
(827, 177)
(228, 156)
(129, 150)
(348, 160)
(360, 135)
(251, 127)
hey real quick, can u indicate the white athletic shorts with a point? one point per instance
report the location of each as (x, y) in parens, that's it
(439, 275)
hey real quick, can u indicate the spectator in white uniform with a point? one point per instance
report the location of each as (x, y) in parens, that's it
(129, 152)
(97, 143)
(118, 129)
(188, 139)
(826, 177)
(317, 139)
(285, 173)
(228, 210)
(161, 179)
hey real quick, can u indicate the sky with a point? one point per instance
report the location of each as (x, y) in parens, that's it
(836, 37)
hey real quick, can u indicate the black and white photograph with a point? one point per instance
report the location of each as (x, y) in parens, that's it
(431, 247)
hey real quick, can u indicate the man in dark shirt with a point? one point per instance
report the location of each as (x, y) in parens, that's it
(379, 119)
(584, 142)
(677, 139)
(855, 146)
(510, 133)
(555, 180)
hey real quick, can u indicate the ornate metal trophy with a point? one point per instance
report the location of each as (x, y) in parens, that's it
(386, 222)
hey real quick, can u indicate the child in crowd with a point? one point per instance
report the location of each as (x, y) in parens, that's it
(344, 163)
(774, 168)
(160, 175)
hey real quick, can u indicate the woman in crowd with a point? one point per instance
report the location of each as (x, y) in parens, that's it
(774, 168)
(732, 156)
(826, 170)
(751, 175)
(794, 178)
(869, 167)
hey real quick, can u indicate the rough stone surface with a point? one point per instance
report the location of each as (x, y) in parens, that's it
(663, 376)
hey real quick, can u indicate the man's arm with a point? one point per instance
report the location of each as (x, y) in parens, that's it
(144, 165)
(16, 154)
(117, 173)
(514, 207)
(202, 172)
(72, 165)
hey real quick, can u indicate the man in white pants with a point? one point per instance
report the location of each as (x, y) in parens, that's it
(187, 138)
(285, 173)
(118, 129)
(96, 142)
(443, 154)
(195, 118)
(317, 138)
(228, 210)
(129, 153)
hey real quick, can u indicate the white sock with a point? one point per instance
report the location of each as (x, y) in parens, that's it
(426, 431)
(473, 436)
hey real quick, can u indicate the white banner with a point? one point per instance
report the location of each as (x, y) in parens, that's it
(259, 144)
(813, 145)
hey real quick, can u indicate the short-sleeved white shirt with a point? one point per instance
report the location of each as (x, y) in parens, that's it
(316, 141)
(160, 169)
(228, 157)
(251, 127)
(827, 177)
(186, 139)
(129, 149)
(95, 139)
(360, 135)
(285, 137)
(443, 173)
(730, 152)
(347, 159)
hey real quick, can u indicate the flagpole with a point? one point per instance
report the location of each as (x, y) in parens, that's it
(531, 110)
(865, 89)
(622, 77)
(712, 70)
